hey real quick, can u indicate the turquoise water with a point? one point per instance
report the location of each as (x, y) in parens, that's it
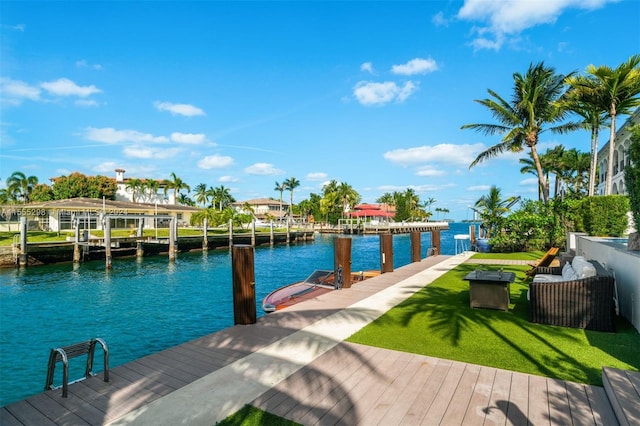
(144, 306)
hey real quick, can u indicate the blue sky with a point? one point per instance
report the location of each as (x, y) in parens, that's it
(244, 94)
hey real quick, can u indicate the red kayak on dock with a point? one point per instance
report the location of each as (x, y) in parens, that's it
(319, 282)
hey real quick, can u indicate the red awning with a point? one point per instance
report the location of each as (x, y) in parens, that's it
(370, 213)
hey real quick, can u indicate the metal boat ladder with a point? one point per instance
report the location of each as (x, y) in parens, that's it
(65, 353)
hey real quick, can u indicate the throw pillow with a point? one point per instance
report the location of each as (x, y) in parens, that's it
(568, 273)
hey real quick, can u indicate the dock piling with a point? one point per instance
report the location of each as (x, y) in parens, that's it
(342, 259)
(23, 257)
(107, 242)
(435, 240)
(244, 286)
(415, 246)
(386, 253)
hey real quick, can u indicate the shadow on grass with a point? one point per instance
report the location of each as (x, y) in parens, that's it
(442, 324)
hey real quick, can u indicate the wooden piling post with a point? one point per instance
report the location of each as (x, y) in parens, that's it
(107, 242)
(435, 240)
(271, 236)
(139, 249)
(205, 236)
(288, 231)
(415, 246)
(23, 257)
(386, 253)
(172, 239)
(342, 259)
(244, 286)
(253, 233)
(230, 233)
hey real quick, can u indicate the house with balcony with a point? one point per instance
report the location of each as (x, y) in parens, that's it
(620, 158)
(263, 209)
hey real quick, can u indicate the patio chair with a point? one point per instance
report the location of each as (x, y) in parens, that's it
(544, 261)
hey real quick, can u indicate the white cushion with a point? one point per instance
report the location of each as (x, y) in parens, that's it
(568, 273)
(588, 271)
(578, 264)
(547, 278)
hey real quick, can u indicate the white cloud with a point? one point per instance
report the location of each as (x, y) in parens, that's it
(227, 179)
(459, 155)
(514, 16)
(529, 181)
(112, 136)
(84, 64)
(439, 20)
(178, 109)
(17, 90)
(479, 188)
(316, 176)
(188, 138)
(66, 87)
(107, 166)
(149, 152)
(215, 162)
(430, 172)
(372, 93)
(415, 66)
(263, 169)
(367, 67)
(86, 103)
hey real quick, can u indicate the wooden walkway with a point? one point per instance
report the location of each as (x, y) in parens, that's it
(286, 366)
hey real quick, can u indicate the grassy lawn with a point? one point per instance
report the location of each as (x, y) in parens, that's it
(251, 416)
(437, 321)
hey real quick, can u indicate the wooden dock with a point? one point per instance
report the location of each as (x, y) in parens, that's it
(294, 363)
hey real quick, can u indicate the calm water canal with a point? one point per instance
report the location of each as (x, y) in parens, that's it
(144, 306)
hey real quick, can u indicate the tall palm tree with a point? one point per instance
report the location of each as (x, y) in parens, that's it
(492, 207)
(177, 185)
(530, 167)
(585, 99)
(19, 186)
(202, 197)
(150, 187)
(348, 196)
(135, 185)
(291, 184)
(535, 108)
(222, 196)
(280, 187)
(620, 90)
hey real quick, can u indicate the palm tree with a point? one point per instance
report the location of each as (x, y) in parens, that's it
(535, 105)
(530, 167)
(281, 187)
(202, 196)
(291, 184)
(177, 185)
(222, 196)
(619, 89)
(348, 196)
(584, 98)
(151, 186)
(492, 207)
(19, 186)
(135, 185)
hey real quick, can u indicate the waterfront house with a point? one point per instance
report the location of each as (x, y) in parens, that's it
(373, 212)
(620, 157)
(263, 209)
(59, 215)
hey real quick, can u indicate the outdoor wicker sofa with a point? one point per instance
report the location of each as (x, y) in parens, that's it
(586, 302)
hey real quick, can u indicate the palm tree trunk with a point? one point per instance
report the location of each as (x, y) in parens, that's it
(612, 139)
(541, 179)
(594, 161)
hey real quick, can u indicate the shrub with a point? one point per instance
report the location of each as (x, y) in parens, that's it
(604, 216)
(632, 175)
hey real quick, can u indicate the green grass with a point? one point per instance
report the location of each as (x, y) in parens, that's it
(437, 321)
(251, 416)
(528, 256)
